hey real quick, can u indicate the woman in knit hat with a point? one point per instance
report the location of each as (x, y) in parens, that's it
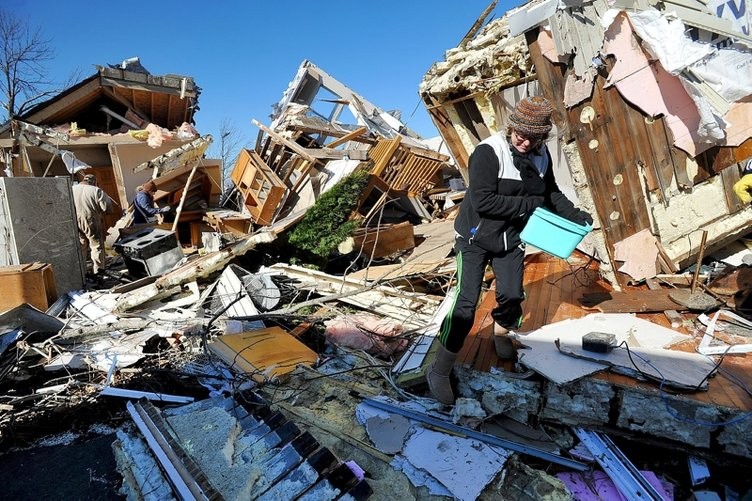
(510, 175)
(144, 208)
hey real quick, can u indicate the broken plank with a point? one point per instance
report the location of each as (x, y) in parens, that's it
(386, 272)
(637, 301)
(198, 268)
(348, 137)
(471, 347)
(177, 157)
(331, 154)
(290, 144)
(665, 259)
(412, 309)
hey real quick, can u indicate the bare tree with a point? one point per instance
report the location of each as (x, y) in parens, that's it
(23, 53)
(230, 142)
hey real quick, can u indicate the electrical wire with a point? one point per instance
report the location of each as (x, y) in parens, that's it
(665, 395)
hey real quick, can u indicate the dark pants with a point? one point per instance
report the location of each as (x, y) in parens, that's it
(471, 266)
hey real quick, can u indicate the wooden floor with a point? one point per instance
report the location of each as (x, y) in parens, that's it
(554, 286)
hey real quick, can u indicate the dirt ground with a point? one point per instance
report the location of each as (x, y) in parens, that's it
(83, 469)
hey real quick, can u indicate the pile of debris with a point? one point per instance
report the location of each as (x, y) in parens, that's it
(269, 337)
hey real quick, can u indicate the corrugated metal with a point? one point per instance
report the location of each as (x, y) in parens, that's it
(577, 30)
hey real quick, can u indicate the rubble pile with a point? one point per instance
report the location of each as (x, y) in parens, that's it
(267, 335)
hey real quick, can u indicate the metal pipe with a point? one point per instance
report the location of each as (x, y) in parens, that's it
(119, 117)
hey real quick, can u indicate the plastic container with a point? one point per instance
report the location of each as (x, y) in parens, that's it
(552, 233)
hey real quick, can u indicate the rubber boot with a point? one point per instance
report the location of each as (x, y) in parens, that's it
(505, 348)
(504, 345)
(438, 376)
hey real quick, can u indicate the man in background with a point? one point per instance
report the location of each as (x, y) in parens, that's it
(91, 204)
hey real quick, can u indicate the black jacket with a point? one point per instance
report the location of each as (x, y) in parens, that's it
(505, 187)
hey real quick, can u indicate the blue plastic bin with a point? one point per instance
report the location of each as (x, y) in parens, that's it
(552, 233)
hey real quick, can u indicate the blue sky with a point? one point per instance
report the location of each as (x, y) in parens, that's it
(244, 54)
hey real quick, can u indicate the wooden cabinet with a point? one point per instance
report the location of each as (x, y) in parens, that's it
(261, 188)
(27, 283)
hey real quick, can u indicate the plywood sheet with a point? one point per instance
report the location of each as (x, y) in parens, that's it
(641, 301)
(264, 353)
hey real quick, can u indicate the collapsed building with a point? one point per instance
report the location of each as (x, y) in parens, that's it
(650, 134)
(206, 342)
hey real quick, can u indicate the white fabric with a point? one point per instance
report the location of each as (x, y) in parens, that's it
(72, 163)
(667, 41)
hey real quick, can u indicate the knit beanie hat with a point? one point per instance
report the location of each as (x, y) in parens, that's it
(532, 116)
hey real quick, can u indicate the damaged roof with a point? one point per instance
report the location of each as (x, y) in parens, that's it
(102, 101)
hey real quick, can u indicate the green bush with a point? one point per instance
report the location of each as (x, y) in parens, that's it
(326, 223)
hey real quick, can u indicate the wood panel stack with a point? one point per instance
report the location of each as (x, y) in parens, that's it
(27, 283)
(405, 169)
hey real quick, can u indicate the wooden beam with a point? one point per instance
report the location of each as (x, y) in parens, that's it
(142, 86)
(196, 162)
(672, 315)
(665, 259)
(347, 137)
(290, 144)
(130, 104)
(331, 154)
(63, 103)
(177, 157)
(169, 110)
(329, 132)
(117, 170)
(477, 25)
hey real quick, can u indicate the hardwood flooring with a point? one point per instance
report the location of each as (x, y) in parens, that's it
(554, 287)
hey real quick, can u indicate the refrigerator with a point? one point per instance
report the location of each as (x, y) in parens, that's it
(38, 224)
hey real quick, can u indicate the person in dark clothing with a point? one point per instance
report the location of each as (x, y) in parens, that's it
(510, 175)
(144, 210)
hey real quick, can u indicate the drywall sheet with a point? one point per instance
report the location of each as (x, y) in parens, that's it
(726, 71)
(639, 253)
(652, 89)
(484, 461)
(419, 455)
(647, 353)
(548, 49)
(739, 122)
(577, 89)
(596, 485)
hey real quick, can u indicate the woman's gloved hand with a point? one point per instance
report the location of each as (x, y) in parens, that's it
(532, 202)
(585, 218)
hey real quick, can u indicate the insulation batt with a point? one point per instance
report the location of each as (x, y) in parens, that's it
(377, 336)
